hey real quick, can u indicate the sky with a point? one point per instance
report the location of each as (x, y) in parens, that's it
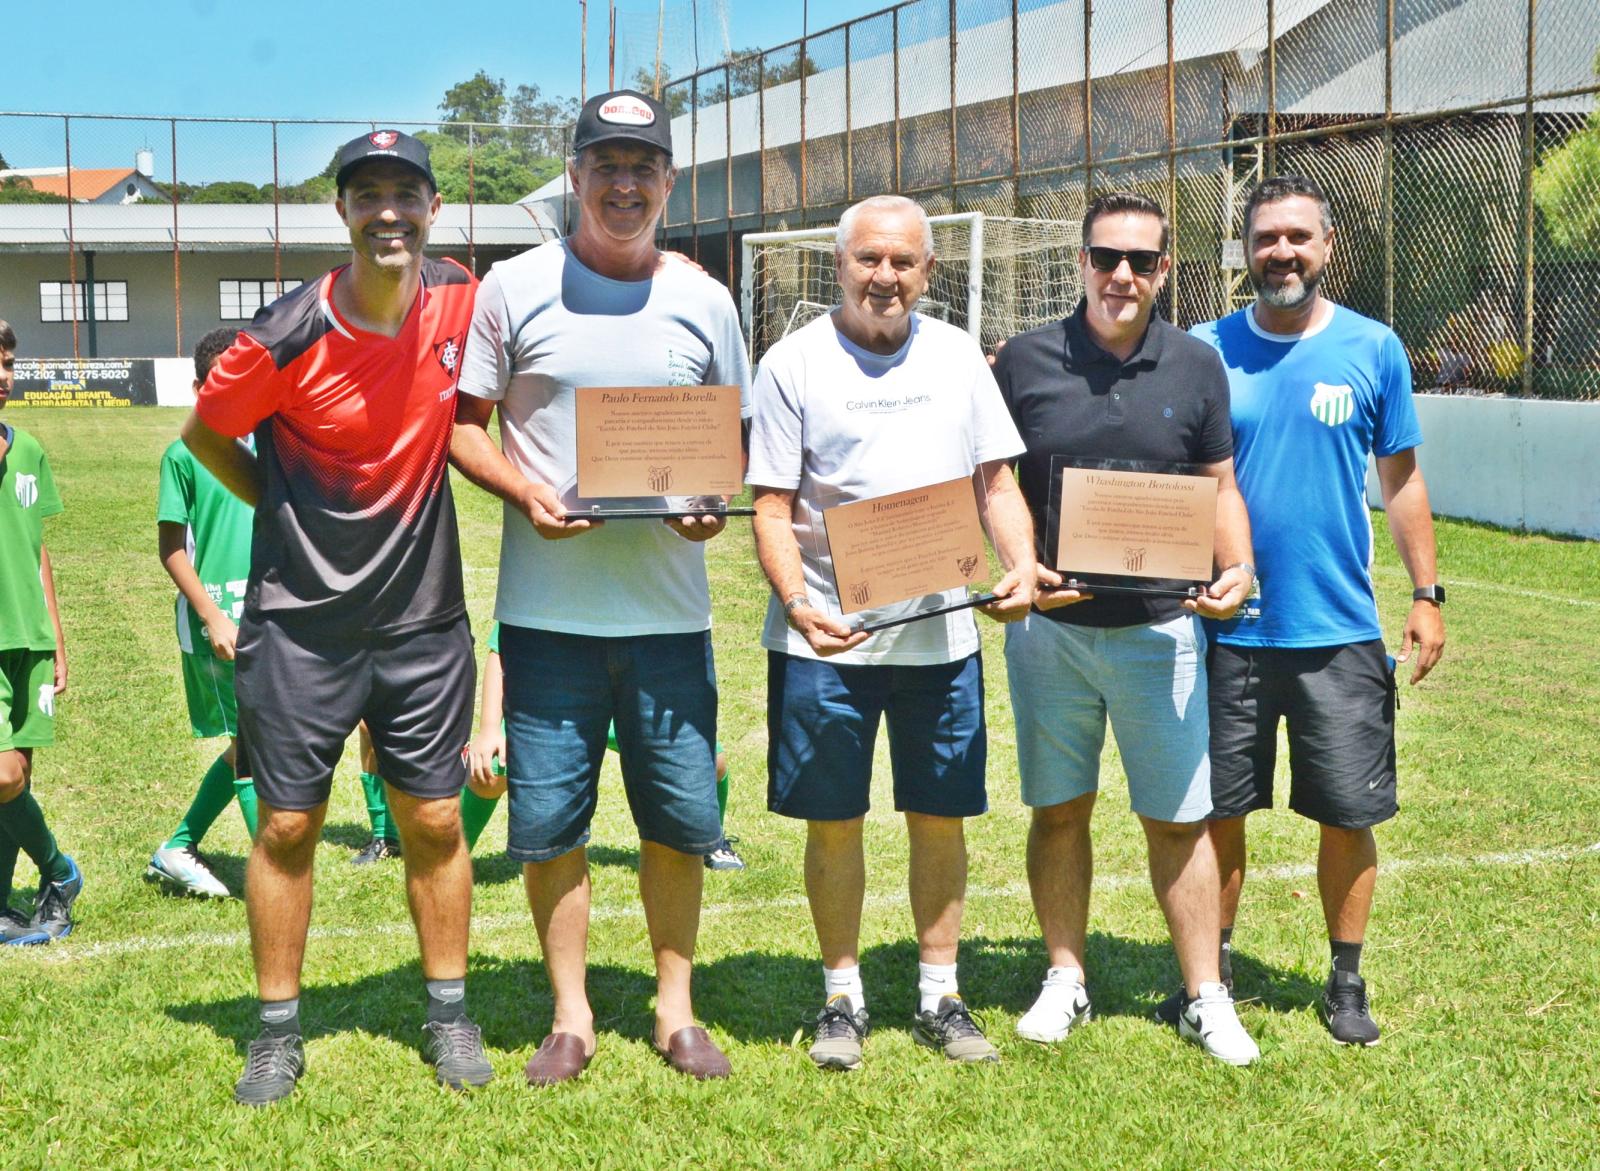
(301, 59)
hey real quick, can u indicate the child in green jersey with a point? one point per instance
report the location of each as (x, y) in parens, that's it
(33, 672)
(203, 533)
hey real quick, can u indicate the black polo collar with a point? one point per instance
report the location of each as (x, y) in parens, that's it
(1081, 348)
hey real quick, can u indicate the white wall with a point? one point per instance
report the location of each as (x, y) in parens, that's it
(1520, 463)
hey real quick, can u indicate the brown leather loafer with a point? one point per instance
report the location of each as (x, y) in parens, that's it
(560, 1058)
(692, 1051)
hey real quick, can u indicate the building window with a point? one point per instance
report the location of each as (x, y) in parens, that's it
(56, 301)
(239, 300)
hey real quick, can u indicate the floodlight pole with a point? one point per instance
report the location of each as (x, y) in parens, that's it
(583, 51)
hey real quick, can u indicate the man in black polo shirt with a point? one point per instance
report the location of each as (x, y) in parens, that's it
(1113, 383)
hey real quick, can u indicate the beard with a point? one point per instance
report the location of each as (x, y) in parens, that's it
(1287, 296)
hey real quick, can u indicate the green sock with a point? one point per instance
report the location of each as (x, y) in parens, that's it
(475, 814)
(24, 821)
(378, 807)
(722, 795)
(215, 795)
(244, 791)
(8, 867)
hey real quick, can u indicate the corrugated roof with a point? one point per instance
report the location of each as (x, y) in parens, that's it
(87, 183)
(218, 227)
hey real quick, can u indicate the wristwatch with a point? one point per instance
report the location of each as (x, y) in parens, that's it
(793, 603)
(1429, 593)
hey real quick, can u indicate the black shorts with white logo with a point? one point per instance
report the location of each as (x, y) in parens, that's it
(302, 693)
(1339, 705)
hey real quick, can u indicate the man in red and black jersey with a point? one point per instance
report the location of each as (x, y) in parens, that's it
(354, 608)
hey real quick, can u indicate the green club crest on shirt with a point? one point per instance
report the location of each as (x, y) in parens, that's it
(1332, 404)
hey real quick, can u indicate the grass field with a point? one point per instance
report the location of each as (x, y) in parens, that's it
(119, 1046)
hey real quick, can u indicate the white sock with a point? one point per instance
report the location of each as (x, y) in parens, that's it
(934, 983)
(846, 981)
(1066, 976)
(1059, 992)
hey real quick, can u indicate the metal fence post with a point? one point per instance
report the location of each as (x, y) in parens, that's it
(1388, 163)
(1172, 164)
(1527, 209)
(72, 238)
(177, 262)
(472, 199)
(1088, 104)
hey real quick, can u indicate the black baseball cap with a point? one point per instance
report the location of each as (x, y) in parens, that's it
(623, 113)
(384, 144)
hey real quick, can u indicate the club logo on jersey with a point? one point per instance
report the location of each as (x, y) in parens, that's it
(626, 111)
(1133, 559)
(383, 139)
(448, 352)
(1332, 404)
(27, 489)
(47, 699)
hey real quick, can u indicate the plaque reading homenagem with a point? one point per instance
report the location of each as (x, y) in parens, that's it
(1136, 524)
(906, 545)
(651, 441)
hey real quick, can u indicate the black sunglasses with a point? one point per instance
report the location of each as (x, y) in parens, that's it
(1142, 261)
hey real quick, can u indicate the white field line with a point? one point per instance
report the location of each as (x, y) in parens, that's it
(490, 924)
(1495, 587)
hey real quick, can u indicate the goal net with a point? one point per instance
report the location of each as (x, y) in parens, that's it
(996, 276)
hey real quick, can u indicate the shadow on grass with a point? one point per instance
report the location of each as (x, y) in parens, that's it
(352, 835)
(752, 996)
(492, 865)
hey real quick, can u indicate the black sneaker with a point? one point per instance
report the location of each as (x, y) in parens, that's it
(271, 1069)
(1344, 1004)
(951, 1029)
(376, 850)
(17, 930)
(52, 907)
(455, 1050)
(841, 1027)
(724, 857)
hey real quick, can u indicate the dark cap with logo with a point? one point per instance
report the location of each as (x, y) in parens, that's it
(384, 144)
(623, 114)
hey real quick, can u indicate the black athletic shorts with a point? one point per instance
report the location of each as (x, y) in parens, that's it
(1339, 705)
(302, 694)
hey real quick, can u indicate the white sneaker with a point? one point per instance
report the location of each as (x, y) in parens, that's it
(1062, 1005)
(1211, 1023)
(183, 870)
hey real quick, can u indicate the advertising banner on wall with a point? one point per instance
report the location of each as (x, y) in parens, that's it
(85, 382)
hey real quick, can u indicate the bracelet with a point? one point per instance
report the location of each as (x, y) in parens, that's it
(1244, 565)
(793, 603)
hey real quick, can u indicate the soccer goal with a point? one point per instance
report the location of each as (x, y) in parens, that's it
(995, 276)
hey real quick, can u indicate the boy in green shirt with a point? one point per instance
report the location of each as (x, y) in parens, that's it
(33, 672)
(203, 533)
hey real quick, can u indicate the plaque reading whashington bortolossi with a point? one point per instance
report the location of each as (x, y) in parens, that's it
(654, 451)
(1131, 528)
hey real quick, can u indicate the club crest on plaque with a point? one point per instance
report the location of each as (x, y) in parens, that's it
(660, 477)
(860, 593)
(1133, 559)
(966, 565)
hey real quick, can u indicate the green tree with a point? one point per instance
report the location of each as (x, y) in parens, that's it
(1566, 190)
(480, 98)
(16, 189)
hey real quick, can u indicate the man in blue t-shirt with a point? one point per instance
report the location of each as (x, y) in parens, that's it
(1315, 388)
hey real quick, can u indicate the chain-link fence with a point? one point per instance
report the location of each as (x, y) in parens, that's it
(132, 237)
(1459, 141)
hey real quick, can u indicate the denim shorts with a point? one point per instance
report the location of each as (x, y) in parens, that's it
(562, 691)
(1149, 680)
(822, 726)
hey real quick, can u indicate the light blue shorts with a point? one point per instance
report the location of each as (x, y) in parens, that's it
(1149, 679)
